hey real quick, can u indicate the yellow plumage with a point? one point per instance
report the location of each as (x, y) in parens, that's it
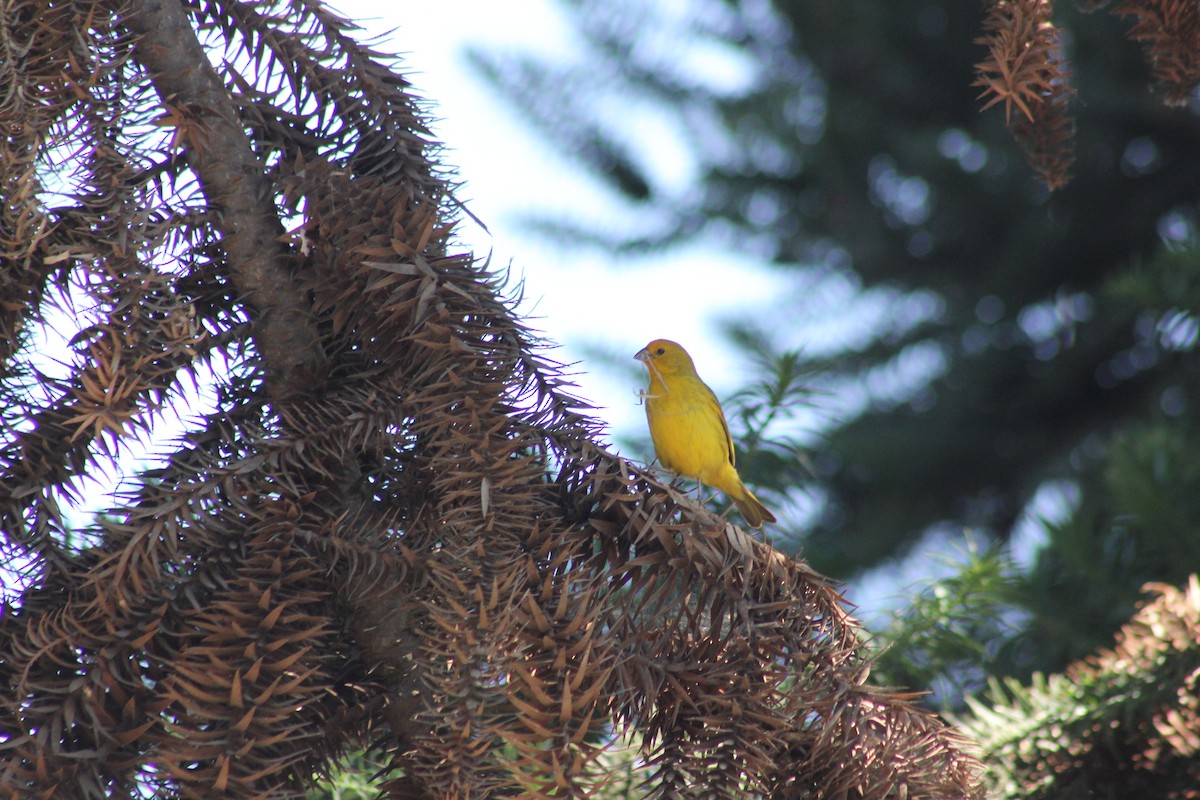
(687, 425)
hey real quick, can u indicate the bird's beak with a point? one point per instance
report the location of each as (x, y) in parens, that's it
(642, 355)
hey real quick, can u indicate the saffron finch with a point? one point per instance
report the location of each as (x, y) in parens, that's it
(691, 437)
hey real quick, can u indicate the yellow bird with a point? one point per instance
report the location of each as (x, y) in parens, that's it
(691, 437)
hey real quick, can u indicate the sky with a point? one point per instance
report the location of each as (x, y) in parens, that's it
(509, 173)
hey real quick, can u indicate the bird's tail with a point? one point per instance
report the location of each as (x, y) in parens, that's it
(753, 511)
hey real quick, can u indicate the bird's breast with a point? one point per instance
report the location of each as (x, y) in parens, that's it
(688, 433)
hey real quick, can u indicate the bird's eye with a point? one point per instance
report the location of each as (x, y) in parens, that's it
(662, 351)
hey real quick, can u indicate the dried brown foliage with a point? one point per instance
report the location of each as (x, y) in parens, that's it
(1025, 71)
(1169, 30)
(1120, 724)
(395, 526)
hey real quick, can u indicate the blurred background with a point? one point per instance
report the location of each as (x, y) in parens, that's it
(970, 399)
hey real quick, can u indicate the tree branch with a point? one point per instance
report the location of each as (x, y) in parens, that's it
(220, 153)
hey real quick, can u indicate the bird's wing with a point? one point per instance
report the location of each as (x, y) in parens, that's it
(716, 407)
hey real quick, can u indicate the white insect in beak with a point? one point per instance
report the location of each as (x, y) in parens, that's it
(643, 356)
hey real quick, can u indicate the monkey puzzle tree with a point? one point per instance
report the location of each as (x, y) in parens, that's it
(389, 523)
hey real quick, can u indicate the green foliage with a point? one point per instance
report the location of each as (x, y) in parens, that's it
(353, 779)
(770, 434)
(954, 632)
(1136, 523)
(1068, 735)
(988, 619)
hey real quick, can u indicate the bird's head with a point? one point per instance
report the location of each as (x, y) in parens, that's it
(666, 357)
